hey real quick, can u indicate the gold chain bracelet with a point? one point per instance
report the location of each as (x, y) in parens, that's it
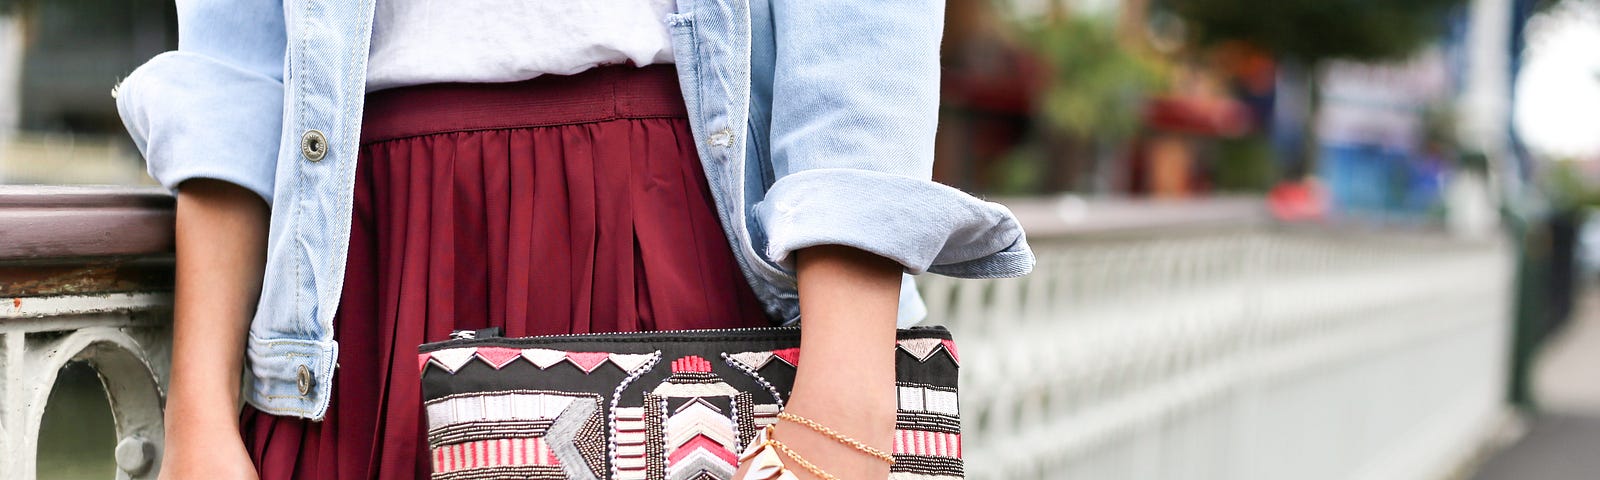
(836, 436)
(815, 470)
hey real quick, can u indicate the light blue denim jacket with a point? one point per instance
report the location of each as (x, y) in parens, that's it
(815, 122)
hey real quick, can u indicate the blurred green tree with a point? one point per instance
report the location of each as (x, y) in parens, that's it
(1091, 106)
(1099, 82)
(1568, 187)
(1310, 31)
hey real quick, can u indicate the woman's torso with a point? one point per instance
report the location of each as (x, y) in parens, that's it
(827, 140)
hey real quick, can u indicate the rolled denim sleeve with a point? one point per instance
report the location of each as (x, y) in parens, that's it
(855, 109)
(214, 107)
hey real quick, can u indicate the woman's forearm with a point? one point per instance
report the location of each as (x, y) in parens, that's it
(221, 248)
(848, 303)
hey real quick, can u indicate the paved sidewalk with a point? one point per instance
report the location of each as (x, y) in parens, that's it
(1563, 441)
(1558, 447)
(1567, 374)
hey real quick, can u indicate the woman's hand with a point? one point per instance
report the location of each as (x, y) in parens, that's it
(848, 301)
(221, 242)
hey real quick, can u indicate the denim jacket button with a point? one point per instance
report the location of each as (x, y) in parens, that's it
(313, 145)
(303, 380)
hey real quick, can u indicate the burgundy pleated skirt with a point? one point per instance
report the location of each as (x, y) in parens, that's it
(562, 204)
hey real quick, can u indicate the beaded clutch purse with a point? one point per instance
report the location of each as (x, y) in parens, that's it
(653, 405)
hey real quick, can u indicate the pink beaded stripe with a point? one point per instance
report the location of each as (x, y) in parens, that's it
(921, 442)
(504, 452)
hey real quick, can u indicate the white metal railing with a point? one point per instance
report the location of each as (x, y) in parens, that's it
(124, 337)
(1231, 350)
(1153, 341)
(85, 275)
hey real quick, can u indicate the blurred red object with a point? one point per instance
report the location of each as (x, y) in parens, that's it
(1298, 200)
(1220, 117)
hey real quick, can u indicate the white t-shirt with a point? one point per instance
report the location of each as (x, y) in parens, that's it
(431, 41)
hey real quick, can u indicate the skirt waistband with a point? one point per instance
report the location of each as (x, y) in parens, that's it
(598, 94)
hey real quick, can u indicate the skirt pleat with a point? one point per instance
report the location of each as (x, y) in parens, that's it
(586, 212)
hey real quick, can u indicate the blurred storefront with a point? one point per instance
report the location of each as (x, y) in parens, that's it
(1383, 132)
(1099, 99)
(59, 60)
(1121, 99)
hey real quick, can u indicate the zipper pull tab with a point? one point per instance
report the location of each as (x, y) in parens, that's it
(491, 332)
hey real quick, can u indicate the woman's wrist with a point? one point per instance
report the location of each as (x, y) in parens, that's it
(863, 413)
(845, 379)
(202, 415)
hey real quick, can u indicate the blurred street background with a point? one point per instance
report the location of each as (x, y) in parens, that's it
(1285, 239)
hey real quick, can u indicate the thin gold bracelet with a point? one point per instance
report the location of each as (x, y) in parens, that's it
(815, 470)
(836, 436)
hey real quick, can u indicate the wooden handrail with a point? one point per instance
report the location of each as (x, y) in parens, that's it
(75, 240)
(43, 222)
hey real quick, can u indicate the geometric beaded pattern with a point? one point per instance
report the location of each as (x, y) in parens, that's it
(700, 432)
(677, 417)
(927, 436)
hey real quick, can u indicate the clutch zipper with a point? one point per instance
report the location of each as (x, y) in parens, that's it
(497, 332)
(494, 335)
